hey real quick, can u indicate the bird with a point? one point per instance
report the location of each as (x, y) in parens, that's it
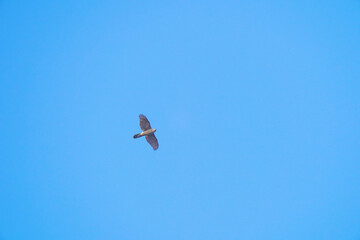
(148, 132)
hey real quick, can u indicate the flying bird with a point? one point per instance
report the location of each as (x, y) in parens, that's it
(148, 132)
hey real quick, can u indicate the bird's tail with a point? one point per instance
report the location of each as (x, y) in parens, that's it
(137, 135)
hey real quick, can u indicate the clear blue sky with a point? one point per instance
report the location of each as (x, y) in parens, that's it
(257, 106)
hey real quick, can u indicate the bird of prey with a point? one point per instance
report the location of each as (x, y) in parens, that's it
(147, 131)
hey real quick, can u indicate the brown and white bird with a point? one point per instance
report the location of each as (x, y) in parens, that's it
(148, 132)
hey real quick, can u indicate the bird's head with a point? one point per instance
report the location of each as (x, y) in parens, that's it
(154, 129)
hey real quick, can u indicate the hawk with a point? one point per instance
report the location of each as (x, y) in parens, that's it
(148, 132)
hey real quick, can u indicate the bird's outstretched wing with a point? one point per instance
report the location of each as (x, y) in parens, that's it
(144, 123)
(151, 139)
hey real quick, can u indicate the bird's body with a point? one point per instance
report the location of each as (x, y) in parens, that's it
(145, 133)
(148, 132)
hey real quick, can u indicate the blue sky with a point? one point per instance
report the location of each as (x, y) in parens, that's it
(256, 105)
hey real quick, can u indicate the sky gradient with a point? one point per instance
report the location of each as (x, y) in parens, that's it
(256, 106)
